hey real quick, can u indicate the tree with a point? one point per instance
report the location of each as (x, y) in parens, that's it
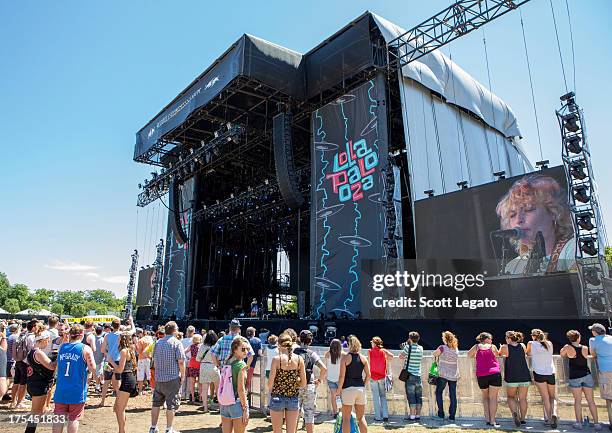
(21, 293)
(73, 302)
(43, 296)
(11, 305)
(78, 310)
(57, 308)
(608, 253)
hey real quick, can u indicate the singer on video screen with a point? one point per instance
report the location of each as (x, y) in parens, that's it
(535, 220)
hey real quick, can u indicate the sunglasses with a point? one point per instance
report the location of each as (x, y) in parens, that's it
(244, 349)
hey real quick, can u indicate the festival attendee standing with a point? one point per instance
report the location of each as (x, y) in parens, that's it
(447, 356)
(412, 352)
(235, 416)
(143, 370)
(255, 343)
(126, 367)
(488, 374)
(308, 394)
(52, 322)
(354, 376)
(516, 375)
(287, 376)
(209, 372)
(40, 373)
(194, 367)
(378, 357)
(222, 349)
(580, 378)
(73, 361)
(3, 362)
(99, 358)
(332, 361)
(13, 334)
(110, 346)
(543, 366)
(21, 348)
(271, 350)
(186, 342)
(169, 360)
(601, 351)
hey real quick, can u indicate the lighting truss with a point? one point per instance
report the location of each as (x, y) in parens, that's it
(186, 166)
(590, 236)
(462, 17)
(129, 299)
(157, 280)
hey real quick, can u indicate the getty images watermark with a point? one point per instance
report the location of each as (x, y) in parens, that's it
(412, 282)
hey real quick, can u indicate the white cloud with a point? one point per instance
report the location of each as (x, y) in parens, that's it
(90, 275)
(117, 279)
(60, 265)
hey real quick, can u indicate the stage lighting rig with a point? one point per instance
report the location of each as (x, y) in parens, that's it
(573, 144)
(463, 184)
(581, 193)
(187, 164)
(576, 169)
(570, 122)
(588, 245)
(585, 220)
(591, 276)
(542, 164)
(500, 174)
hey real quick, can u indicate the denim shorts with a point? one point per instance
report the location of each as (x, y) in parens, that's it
(332, 385)
(279, 403)
(582, 382)
(233, 411)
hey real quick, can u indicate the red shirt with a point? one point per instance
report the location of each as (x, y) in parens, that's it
(378, 364)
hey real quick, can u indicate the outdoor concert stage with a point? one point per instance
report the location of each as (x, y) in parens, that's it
(298, 177)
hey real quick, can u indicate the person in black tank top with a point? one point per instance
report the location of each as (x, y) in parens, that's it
(354, 375)
(40, 374)
(580, 379)
(516, 375)
(127, 369)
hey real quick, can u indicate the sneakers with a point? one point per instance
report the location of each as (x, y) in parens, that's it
(386, 419)
(553, 421)
(172, 430)
(153, 430)
(597, 426)
(577, 425)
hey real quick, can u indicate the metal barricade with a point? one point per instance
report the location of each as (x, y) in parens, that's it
(469, 400)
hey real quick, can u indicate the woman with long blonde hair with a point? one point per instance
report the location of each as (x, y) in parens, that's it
(354, 376)
(447, 356)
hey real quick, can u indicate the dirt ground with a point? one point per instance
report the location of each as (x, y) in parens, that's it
(188, 420)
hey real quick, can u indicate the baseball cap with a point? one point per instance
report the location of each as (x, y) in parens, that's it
(235, 323)
(598, 327)
(304, 334)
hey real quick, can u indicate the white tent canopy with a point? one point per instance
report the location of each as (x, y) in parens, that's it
(31, 312)
(2, 311)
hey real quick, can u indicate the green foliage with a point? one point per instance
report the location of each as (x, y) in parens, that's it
(608, 253)
(17, 297)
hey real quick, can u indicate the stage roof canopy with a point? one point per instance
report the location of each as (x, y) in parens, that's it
(357, 47)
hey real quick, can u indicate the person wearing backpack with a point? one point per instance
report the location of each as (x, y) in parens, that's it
(233, 404)
(20, 350)
(308, 393)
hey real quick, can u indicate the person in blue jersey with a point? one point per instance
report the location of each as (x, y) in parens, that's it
(110, 346)
(74, 359)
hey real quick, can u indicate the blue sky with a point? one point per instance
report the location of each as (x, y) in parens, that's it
(78, 79)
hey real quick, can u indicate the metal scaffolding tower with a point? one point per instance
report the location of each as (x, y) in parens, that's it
(157, 280)
(129, 299)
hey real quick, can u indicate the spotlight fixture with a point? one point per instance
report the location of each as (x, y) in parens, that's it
(585, 220)
(463, 184)
(570, 122)
(500, 174)
(429, 192)
(596, 303)
(591, 276)
(576, 170)
(581, 193)
(588, 245)
(542, 164)
(573, 144)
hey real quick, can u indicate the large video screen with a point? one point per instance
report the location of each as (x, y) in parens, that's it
(501, 250)
(146, 278)
(515, 227)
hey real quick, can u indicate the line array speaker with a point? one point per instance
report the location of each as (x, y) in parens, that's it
(283, 160)
(175, 209)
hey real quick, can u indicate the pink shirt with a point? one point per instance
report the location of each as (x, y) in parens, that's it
(486, 362)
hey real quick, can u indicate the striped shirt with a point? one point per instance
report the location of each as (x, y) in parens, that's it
(416, 355)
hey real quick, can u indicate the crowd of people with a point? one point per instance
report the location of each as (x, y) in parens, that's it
(54, 364)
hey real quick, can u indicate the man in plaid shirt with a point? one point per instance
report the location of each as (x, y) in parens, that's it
(169, 361)
(221, 350)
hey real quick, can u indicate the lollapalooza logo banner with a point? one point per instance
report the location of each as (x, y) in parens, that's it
(349, 157)
(177, 261)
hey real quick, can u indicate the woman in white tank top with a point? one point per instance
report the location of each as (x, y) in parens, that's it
(333, 371)
(541, 352)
